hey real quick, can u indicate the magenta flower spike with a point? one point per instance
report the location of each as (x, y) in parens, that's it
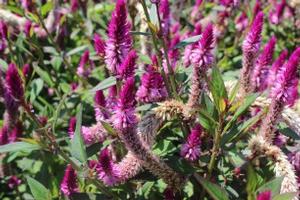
(264, 196)
(278, 63)
(107, 169)
(100, 106)
(69, 184)
(190, 150)
(261, 68)
(276, 14)
(119, 39)
(152, 88)
(242, 22)
(201, 56)
(72, 126)
(14, 83)
(251, 46)
(12, 108)
(285, 87)
(27, 4)
(13, 182)
(16, 132)
(99, 45)
(124, 114)
(4, 135)
(128, 66)
(3, 30)
(164, 9)
(27, 28)
(74, 5)
(257, 8)
(85, 65)
(26, 70)
(294, 158)
(111, 100)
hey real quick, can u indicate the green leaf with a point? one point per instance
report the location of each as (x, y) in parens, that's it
(163, 147)
(77, 146)
(109, 128)
(19, 146)
(37, 86)
(234, 92)
(252, 182)
(153, 15)
(273, 185)
(38, 191)
(77, 50)
(44, 75)
(285, 130)
(188, 41)
(47, 7)
(215, 191)
(140, 33)
(285, 196)
(56, 62)
(106, 83)
(146, 189)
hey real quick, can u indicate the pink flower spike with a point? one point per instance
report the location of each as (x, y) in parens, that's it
(264, 196)
(119, 39)
(99, 45)
(13, 182)
(128, 66)
(14, 83)
(106, 168)
(69, 184)
(86, 65)
(4, 135)
(191, 149)
(72, 127)
(278, 63)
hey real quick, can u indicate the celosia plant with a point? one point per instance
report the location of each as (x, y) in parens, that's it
(149, 99)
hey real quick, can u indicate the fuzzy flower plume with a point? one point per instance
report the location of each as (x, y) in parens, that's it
(261, 68)
(4, 135)
(99, 45)
(111, 100)
(119, 43)
(278, 63)
(14, 83)
(12, 108)
(152, 87)
(241, 22)
(85, 65)
(201, 58)
(191, 149)
(72, 126)
(250, 48)
(93, 134)
(264, 196)
(69, 184)
(3, 35)
(74, 5)
(128, 66)
(164, 9)
(277, 13)
(107, 169)
(100, 103)
(124, 114)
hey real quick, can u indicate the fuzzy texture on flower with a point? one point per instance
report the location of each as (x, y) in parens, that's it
(190, 150)
(276, 14)
(99, 45)
(257, 8)
(86, 65)
(152, 88)
(278, 63)
(280, 139)
(27, 4)
(164, 9)
(111, 100)
(189, 48)
(13, 182)
(261, 68)
(27, 28)
(101, 112)
(250, 48)
(3, 30)
(16, 132)
(241, 22)
(285, 87)
(119, 39)
(93, 134)
(264, 195)
(124, 114)
(74, 5)
(72, 126)
(201, 56)
(14, 83)
(26, 70)
(294, 159)
(69, 184)
(4, 135)
(106, 169)
(12, 109)
(128, 66)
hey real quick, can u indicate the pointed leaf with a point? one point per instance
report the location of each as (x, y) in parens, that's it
(188, 41)
(215, 191)
(273, 185)
(19, 146)
(38, 191)
(106, 83)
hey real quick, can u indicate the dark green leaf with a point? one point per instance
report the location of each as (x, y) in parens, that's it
(38, 191)
(19, 146)
(285, 130)
(109, 128)
(215, 191)
(44, 75)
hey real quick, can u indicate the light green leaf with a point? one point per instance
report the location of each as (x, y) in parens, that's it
(19, 146)
(38, 191)
(106, 83)
(285, 196)
(215, 191)
(44, 75)
(109, 128)
(188, 41)
(273, 185)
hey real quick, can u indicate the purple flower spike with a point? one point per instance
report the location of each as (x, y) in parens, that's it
(152, 88)
(106, 168)
(257, 8)
(12, 107)
(85, 65)
(202, 56)
(285, 87)
(164, 8)
(100, 105)
(276, 15)
(111, 100)
(294, 158)
(69, 183)
(191, 149)
(27, 28)
(279, 62)
(16, 132)
(99, 45)
(124, 115)
(4, 135)
(3, 30)
(260, 71)
(26, 70)
(14, 83)
(119, 43)
(72, 126)
(13, 182)
(242, 22)
(27, 4)
(74, 5)
(128, 66)
(264, 196)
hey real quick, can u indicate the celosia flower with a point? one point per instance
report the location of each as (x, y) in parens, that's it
(3, 35)
(69, 184)
(99, 45)
(16, 132)
(152, 88)
(257, 8)
(27, 28)
(26, 70)
(164, 9)
(188, 49)
(124, 112)
(278, 63)
(111, 100)
(13, 182)
(85, 65)
(241, 22)
(100, 106)
(276, 14)
(27, 4)
(72, 126)
(119, 39)
(12, 107)
(106, 168)
(201, 56)
(4, 135)
(264, 196)
(261, 68)
(14, 83)
(195, 14)
(294, 159)
(74, 5)
(128, 66)
(191, 149)
(93, 134)
(285, 86)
